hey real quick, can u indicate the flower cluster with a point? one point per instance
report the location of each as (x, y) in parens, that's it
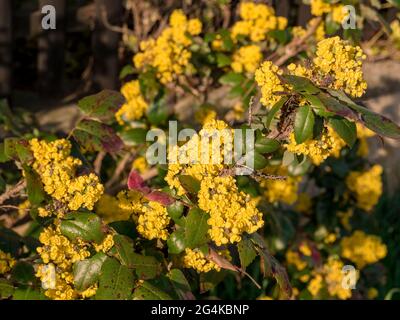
(329, 144)
(199, 157)
(135, 105)
(152, 217)
(267, 78)
(363, 249)
(299, 32)
(330, 276)
(343, 62)
(367, 186)
(257, 21)
(197, 260)
(57, 170)
(232, 213)
(281, 190)
(169, 54)
(246, 59)
(321, 7)
(58, 255)
(6, 262)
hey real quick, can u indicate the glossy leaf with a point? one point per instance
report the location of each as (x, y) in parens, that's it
(304, 124)
(196, 228)
(346, 129)
(86, 272)
(83, 225)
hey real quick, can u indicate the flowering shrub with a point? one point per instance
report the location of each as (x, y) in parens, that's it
(107, 221)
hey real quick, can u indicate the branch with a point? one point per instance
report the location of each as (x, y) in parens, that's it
(12, 192)
(297, 44)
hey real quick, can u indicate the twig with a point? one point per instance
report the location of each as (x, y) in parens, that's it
(12, 192)
(297, 44)
(98, 162)
(119, 169)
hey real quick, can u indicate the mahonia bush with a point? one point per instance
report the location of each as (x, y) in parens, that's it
(102, 211)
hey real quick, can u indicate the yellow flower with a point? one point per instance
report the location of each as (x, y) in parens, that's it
(6, 262)
(57, 170)
(152, 217)
(342, 62)
(140, 164)
(284, 191)
(321, 7)
(58, 255)
(106, 245)
(246, 59)
(197, 260)
(232, 213)
(315, 285)
(305, 249)
(293, 257)
(267, 78)
(169, 54)
(367, 186)
(257, 21)
(135, 106)
(363, 249)
(319, 150)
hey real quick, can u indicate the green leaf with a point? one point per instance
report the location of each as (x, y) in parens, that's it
(34, 186)
(93, 135)
(146, 267)
(223, 60)
(158, 111)
(211, 279)
(304, 124)
(270, 266)
(147, 291)
(126, 228)
(259, 161)
(317, 105)
(102, 105)
(231, 78)
(6, 289)
(116, 281)
(126, 71)
(180, 284)
(373, 121)
(83, 225)
(189, 183)
(134, 137)
(175, 210)
(265, 145)
(23, 273)
(87, 272)
(274, 110)
(346, 129)
(176, 242)
(301, 84)
(334, 106)
(196, 228)
(247, 254)
(28, 293)
(10, 241)
(17, 149)
(3, 156)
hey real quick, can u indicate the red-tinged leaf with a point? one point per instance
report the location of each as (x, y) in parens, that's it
(102, 105)
(97, 136)
(160, 197)
(136, 182)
